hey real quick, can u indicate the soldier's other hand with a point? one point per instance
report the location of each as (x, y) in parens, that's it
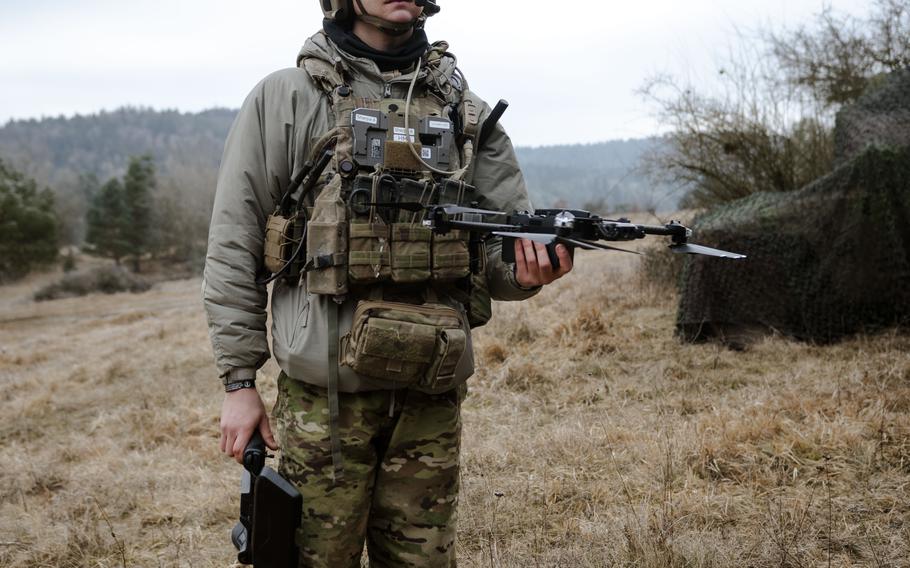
(532, 264)
(241, 413)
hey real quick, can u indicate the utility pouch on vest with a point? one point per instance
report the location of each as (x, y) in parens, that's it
(282, 239)
(369, 256)
(410, 252)
(406, 344)
(327, 243)
(451, 255)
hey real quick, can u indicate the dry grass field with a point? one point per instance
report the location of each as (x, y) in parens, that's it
(592, 437)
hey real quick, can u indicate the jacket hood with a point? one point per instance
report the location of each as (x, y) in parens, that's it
(319, 46)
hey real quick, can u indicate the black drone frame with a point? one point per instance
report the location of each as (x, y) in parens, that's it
(572, 228)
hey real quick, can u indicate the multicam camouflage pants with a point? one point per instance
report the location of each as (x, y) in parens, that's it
(399, 489)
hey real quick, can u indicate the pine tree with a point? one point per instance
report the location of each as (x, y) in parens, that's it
(138, 184)
(28, 226)
(120, 216)
(109, 223)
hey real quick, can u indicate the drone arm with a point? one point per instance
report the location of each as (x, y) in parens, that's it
(673, 229)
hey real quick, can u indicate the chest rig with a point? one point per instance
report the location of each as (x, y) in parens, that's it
(389, 155)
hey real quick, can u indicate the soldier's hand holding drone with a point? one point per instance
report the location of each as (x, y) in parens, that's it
(532, 264)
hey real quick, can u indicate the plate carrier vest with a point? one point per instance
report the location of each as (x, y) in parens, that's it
(357, 238)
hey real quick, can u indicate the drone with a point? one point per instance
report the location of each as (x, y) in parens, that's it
(572, 228)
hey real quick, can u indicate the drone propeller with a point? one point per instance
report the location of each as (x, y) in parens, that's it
(403, 205)
(588, 245)
(458, 209)
(477, 226)
(547, 239)
(448, 209)
(542, 238)
(688, 248)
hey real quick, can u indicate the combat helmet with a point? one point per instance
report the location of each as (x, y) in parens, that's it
(342, 11)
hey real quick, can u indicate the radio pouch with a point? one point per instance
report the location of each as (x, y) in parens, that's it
(282, 239)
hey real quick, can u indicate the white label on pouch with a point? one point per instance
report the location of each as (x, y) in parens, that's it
(365, 118)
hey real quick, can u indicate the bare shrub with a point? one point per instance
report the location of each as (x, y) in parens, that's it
(660, 269)
(765, 122)
(833, 59)
(105, 280)
(747, 136)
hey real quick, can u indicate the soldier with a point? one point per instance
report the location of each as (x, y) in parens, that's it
(373, 338)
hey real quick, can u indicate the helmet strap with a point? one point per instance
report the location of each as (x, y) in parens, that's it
(391, 28)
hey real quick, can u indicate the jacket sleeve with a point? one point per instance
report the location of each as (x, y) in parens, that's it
(254, 167)
(497, 177)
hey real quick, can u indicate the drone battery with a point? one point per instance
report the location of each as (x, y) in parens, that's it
(382, 138)
(273, 544)
(436, 136)
(370, 133)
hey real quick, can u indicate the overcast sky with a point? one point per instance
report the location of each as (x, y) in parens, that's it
(569, 69)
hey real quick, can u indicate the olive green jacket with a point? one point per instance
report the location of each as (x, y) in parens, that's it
(267, 144)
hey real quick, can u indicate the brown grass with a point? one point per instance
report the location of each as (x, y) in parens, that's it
(592, 437)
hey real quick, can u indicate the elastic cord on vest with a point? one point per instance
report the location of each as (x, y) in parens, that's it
(468, 146)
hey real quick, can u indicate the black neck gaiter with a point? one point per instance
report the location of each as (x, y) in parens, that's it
(396, 60)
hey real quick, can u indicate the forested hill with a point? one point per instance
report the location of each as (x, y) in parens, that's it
(59, 152)
(601, 177)
(56, 150)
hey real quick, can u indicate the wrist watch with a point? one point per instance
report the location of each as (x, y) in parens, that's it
(237, 385)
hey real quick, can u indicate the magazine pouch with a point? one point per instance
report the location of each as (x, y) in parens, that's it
(369, 259)
(327, 243)
(410, 253)
(451, 256)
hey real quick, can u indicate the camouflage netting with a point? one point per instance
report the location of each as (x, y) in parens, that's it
(829, 260)
(880, 116)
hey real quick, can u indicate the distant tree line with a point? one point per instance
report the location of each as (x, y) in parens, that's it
(70, 155)
(601, 177)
